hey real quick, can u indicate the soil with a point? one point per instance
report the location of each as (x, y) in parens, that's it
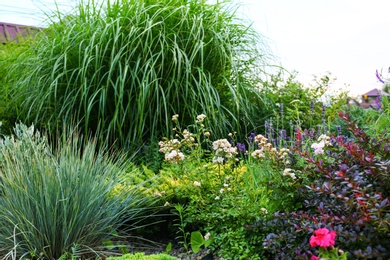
(177, 251)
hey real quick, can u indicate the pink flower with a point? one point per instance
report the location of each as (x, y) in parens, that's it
(313, 257)
(323, 238)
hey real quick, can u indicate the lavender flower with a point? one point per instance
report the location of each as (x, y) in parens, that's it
(338, 129)
(311, 105)
(378, 102)
(379, 77)
(251, 137)
(282, 109)
(283, 134)
(241, 147)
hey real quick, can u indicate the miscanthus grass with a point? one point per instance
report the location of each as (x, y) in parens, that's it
(124, 67)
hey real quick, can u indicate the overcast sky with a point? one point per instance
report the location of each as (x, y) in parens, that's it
(349, 38)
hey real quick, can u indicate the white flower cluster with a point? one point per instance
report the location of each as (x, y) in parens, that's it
(258, 154)
(175, 117)
(266, 147)
(188, 138)
(200, 118)
(323, 141)
(260, 139)
(171, 150)
(289, 172)
(223, 151)
(174, 156)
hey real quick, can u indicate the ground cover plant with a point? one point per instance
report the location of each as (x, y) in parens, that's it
(60, 202)
(126, 66)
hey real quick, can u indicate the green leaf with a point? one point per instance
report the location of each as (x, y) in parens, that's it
(168, 248)
(208, 242)
(109, 244)
(197, 241)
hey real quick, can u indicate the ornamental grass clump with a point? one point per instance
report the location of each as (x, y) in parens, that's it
(122, 68)
(60, 201)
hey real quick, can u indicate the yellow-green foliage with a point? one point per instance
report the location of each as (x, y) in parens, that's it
(137, 176)
(142, 256)
(179, 182)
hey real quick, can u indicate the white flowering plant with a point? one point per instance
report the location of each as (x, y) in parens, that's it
(209, 179)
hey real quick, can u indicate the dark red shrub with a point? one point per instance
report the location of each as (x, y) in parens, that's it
(346, 189)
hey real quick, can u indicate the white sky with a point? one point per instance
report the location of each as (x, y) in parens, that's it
(349, 38)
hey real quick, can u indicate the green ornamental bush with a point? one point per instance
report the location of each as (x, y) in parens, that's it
(218, 191)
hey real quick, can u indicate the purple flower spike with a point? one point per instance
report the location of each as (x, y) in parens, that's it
(378, 103)
(241, 147)
(311, 105)
(379, 77)
(251, 137)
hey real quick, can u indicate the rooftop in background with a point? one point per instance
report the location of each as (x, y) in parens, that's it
(11, 32)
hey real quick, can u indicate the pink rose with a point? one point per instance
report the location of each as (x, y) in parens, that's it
(313, 257)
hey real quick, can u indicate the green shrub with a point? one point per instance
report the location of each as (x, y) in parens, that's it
(219, 194)
(59, 201)
(290, 104)
(124, 67)
(373, 121)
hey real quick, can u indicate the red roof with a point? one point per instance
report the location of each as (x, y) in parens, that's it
(10, 32)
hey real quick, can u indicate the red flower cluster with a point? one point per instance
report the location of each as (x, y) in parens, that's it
(323, 238)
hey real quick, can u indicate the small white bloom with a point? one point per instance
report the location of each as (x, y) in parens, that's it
(221, 191)
(318, 147)
(166, 204)
(289, 172)
(157, 194)
(207, 236)
(200, 118)
(226, 185)
(175, 117)
(264, 210)
(218, 159)
(197, 183)
(257, 154)
(217, 198)
(323, 138)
